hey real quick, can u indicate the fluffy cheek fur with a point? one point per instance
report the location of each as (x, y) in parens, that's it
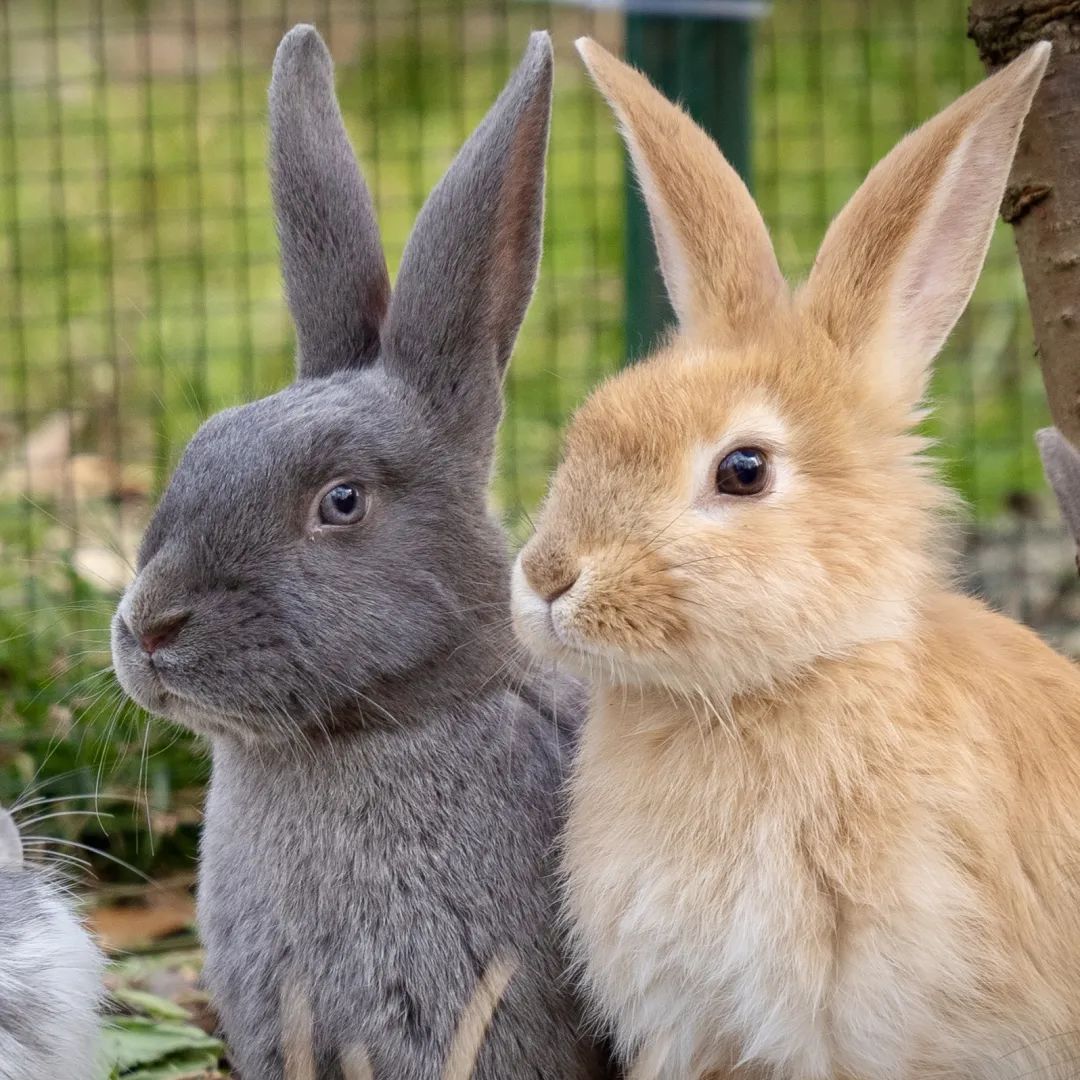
(718, 602)
(622, 620)
(776, 587)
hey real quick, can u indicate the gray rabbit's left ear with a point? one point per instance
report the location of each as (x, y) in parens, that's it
(11, 853)
(1061, 463)
(331, 254)
(470, 265)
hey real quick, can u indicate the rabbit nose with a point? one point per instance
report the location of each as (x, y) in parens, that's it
(554, 591)
(162, 631)
(549, 574)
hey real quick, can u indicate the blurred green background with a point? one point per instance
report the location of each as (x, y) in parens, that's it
(139, 292)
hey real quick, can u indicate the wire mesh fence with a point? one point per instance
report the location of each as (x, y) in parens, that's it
(139, 286)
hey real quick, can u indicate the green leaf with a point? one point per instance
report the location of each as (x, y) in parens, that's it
(132, 1044)
(140, 1001)
(191, 1065)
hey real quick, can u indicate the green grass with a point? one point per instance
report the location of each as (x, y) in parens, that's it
(139, 292)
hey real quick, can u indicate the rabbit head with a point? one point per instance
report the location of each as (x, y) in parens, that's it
(752, 497)
(11, 852)
(323, 544)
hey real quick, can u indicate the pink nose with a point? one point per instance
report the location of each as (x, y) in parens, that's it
(555, 590)
(163, 632)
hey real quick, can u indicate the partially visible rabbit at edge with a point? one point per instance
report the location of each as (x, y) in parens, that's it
(50, 973)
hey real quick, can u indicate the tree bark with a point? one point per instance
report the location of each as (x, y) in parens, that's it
(1042, 200)
(1042, 203)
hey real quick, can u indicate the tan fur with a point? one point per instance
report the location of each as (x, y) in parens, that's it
(736, 277)
(826, 817)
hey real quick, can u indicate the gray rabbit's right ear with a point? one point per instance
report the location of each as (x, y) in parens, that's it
(470, 265)
(1061, 463)
(11, 852)
(335, 271)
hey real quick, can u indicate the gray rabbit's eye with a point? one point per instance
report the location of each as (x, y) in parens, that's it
(343, 504)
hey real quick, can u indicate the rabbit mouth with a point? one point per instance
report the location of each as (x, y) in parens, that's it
(173, 705)
(155, 690)
(535, 619)
(542, 626)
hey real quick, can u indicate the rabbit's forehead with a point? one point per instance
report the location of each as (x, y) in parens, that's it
(654, 417)
(308, 428)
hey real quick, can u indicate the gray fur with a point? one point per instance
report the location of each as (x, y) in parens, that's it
(50, 975)
(331, 255)
(470, 265)
(385, 791)
(1061, 463)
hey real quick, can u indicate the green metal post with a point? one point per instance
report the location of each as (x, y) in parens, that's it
(705, 64)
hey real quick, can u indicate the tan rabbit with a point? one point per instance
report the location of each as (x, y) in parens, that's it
(826, 818)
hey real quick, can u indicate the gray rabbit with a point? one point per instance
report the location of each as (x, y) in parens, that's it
(50, 974)
(323, 593)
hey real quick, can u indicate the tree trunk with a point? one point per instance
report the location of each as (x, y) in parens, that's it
(1042, 202)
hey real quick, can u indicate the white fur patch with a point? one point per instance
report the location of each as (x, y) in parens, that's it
(51, 979)
(11, 853)
(706, 939)
(532, 614)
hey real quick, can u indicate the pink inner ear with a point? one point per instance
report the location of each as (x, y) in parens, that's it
(901, 260)
(10, 843)
(941, 266)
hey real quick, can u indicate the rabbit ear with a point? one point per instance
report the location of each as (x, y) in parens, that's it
(335, 271)
(470, 265)
(11, 853)
(715, 254)
(1061, 463)
(900, 261)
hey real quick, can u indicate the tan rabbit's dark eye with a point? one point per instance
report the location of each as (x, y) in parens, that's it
(343, 504)
(742, 472)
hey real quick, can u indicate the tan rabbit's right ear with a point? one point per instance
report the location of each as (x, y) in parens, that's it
(715, 254)
(899, 263)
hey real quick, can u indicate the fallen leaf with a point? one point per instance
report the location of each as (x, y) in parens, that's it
(140, 1049)
(150, 1005)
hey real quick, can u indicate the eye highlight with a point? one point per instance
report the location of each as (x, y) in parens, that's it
(742, 472)
(345, 503)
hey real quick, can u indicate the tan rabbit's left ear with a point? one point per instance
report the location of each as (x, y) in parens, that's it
(715, 254)
(899, 263)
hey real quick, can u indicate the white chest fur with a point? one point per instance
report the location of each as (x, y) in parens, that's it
(724, 916)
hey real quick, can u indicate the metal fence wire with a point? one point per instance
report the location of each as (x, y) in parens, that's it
(140, 291)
